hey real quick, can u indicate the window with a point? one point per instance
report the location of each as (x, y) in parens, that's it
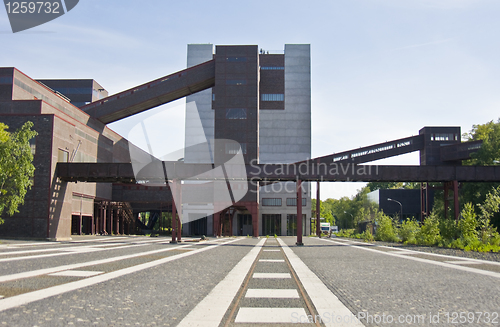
(271, 202)
(236, 82)
(234, 148)
(272, 68)
(444, 137)
(236, 59)
(292, 202)
(6, 80)
(62, 155)
(213, 96)
(272, 97)
(236, 113)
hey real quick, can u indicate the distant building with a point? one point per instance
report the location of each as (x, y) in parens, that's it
(409, 199)
(79, 91)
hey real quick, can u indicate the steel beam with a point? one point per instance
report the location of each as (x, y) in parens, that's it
(153, 94)
(120, 172)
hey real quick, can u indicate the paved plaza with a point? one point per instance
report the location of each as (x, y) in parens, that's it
(145, 281)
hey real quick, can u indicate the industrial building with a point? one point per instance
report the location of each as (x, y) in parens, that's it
(263, 101)
(258, 99)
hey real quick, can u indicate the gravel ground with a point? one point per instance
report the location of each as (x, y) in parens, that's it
(490, 256)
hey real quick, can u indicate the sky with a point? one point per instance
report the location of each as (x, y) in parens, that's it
(380, 69)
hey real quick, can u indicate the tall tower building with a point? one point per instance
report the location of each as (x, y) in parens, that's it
(261, 100)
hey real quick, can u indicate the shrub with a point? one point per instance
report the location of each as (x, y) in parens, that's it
(408, 231)
(367, 236)
(346, 233)
(468, 225)
(429, 232)
(448, 229)
(385, 230)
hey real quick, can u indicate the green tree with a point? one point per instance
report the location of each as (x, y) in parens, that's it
(16, 166)
(487, 155)
(323, 211)
(373, 186)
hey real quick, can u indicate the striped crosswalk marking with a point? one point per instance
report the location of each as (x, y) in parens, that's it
(270, 315)
(268, 293)
(271, 260)
(272, 275)
(77, 273)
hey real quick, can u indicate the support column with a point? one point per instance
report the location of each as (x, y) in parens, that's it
(179, 227)
(318, 215)
(255, 218)
(446, 200)
(109, 223)
(216, 223)
(102, 219)
(80, 223)
(299, 213)
(174, 222)
(422, 201)
(456, 204)
(117, 225)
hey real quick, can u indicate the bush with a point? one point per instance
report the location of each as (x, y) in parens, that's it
(468, 224)
(408, 231)
(346, 233)
(448, 229)
(385, 230)
(367, 236)
(429, 232)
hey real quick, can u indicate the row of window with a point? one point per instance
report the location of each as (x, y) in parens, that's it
(271, 68)
(444, 137)
(5, 80)
(276, 202)
(272, 97)
(236, 113)
(234, 148)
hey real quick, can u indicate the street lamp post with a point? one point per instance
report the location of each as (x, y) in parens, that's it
(389, 199)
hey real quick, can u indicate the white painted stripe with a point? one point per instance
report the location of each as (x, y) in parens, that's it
(34, 243)
(401, 252)
(210, 311)
(272, 250)
(30, 297)
(270, 293)
(464, 262)
(271, 315)
(77, 273)
(272, 275)
(426, 253)
(437, 263)
(271, 260)
(65, 253)
(45, 271)
(67, 248)
(322, 298)
(103, 239)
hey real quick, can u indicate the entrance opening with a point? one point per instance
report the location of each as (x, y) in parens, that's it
(271, 224)
(291, 225)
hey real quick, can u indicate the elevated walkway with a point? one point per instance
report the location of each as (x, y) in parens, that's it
(153, 94)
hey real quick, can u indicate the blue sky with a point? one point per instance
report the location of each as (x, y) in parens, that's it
(381, 69)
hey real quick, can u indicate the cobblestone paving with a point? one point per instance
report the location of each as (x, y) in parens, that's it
(376, 284)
